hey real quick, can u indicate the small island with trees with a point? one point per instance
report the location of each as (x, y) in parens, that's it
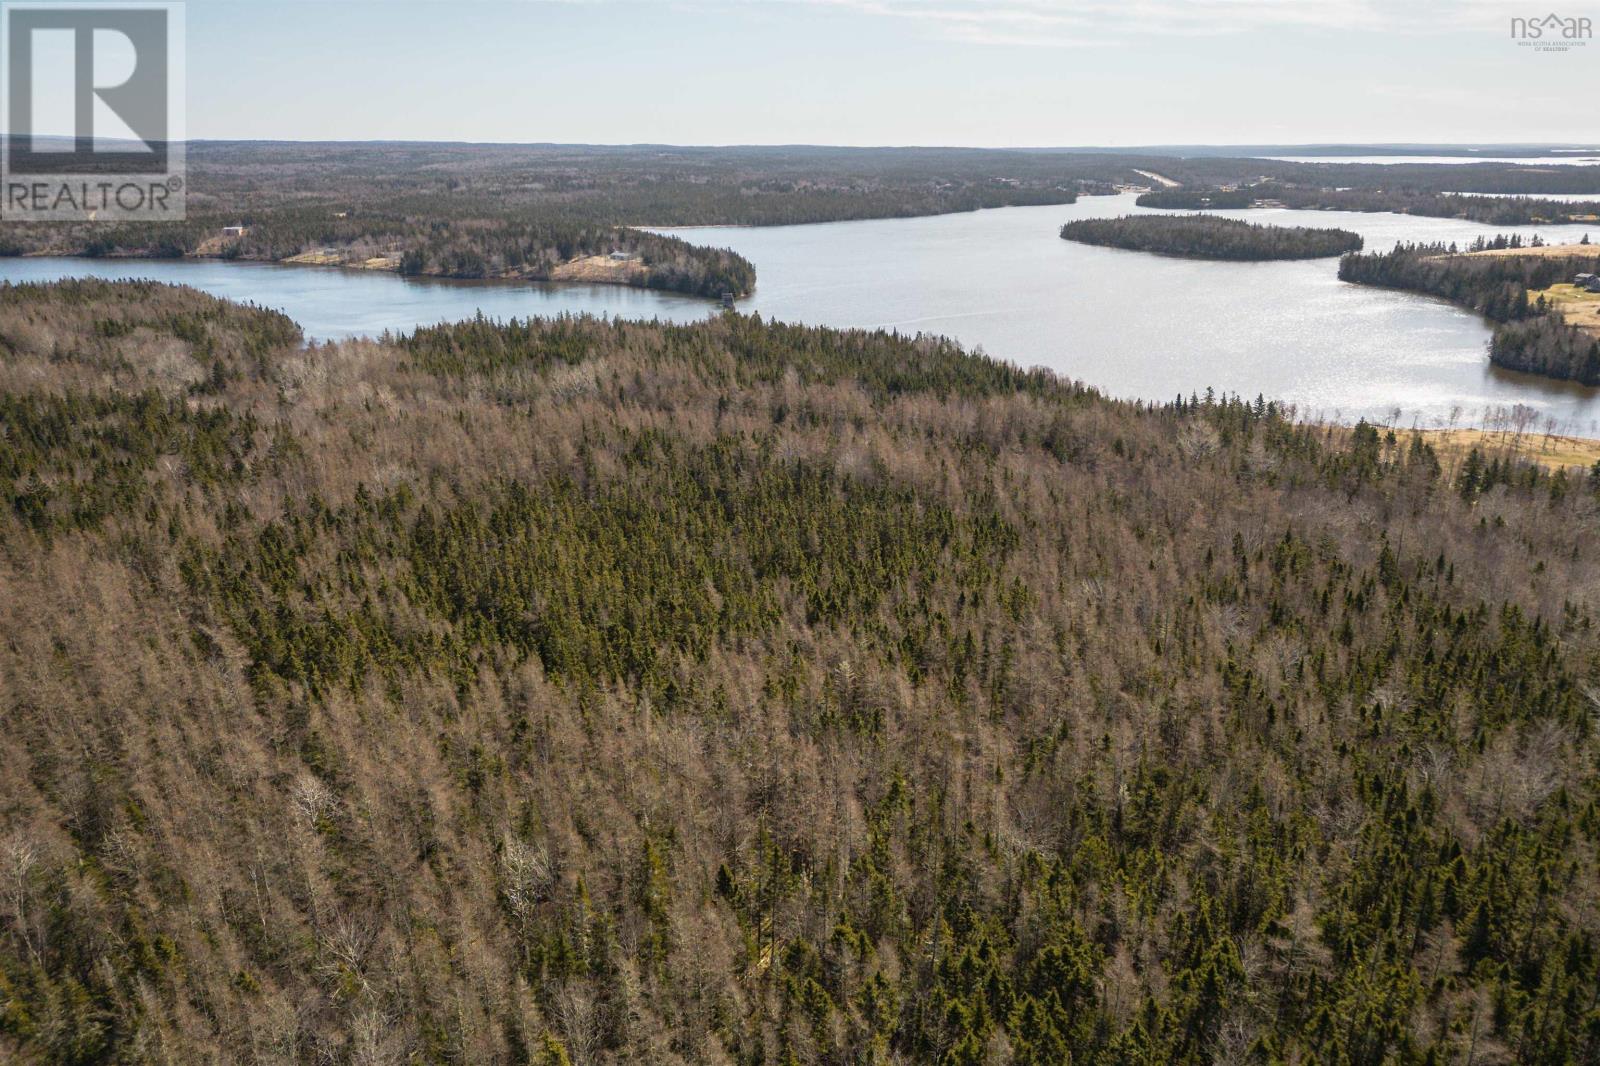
(1206, 237)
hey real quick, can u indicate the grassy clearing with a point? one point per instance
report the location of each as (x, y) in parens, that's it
(1578, 307)
(1548, 251)
(1551, 450)
(316, 259)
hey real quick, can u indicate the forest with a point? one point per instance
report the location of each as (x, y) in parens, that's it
(1529, 335)
(528, 212)
(1208, 237)
(522, 212)
(1544, 344)
(1491, 210)
(578, 691)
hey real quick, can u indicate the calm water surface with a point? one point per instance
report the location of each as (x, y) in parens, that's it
(1133, 325)
(333, 304)
(1138, 325)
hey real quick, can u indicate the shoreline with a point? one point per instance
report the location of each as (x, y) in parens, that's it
(303, 261)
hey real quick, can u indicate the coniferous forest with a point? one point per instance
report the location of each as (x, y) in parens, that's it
(1208, 237)
(578, 691)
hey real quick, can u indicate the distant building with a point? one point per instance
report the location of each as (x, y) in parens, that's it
(623, 257)
(727, 300)
(1582, 280)
(1593, 284)
(234, 231)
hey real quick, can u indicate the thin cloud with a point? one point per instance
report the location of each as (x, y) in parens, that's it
(1077, 23)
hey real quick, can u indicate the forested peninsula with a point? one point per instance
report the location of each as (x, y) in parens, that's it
(1207, 237)
(1523, 288)
(582, 691)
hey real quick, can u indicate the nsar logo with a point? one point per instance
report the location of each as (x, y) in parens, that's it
(1552, 33)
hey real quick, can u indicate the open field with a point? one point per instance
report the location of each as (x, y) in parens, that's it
(317, 258)
(1548, 251)
(1551, 450)
(1576, 306)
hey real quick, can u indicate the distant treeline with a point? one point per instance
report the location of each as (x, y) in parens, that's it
(1490, 210)
(1204, 237)
(1559, 179)
(657, 185)
(507, 211)
(1528, 336)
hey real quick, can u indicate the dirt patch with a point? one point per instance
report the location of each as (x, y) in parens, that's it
(317, 259)
(599, 268)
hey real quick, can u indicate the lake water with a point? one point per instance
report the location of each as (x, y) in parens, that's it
(1130, 324)
(1138, 325)
(332, 304)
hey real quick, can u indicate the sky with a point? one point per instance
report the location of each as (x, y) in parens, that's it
(987, 73)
